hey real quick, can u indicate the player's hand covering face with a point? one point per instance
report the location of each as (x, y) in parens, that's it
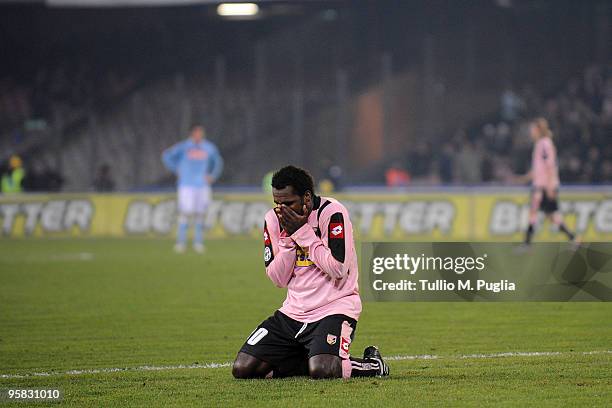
(291, 209)
(290, 220)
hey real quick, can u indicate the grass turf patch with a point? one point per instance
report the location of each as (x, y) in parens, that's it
(86, 304)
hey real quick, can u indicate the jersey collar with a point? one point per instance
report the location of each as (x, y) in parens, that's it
(316, 202)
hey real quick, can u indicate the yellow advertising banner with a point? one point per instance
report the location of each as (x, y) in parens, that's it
(476, 215)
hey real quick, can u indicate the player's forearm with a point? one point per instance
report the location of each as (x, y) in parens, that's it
(280, 269)
(217, 168)
(324, 259)
(319, 253)
(551, 175)
(169, 160)
(170, 166)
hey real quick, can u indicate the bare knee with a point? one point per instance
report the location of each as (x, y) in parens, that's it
(246, 366)
(324, 366)
(241, 369)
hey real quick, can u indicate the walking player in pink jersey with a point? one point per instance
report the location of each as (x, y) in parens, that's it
(308, 249)
(545, 179)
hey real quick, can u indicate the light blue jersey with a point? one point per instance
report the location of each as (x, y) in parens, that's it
(192, 162)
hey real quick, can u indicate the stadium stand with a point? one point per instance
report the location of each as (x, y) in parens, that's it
(297, 94)
(580, 112)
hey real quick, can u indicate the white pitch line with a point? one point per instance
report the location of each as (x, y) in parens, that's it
(514, 354)
(116, 370)
(421, 357)
(223, 365)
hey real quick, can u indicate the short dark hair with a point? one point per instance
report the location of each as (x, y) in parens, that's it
(196, 125)
(299, 179)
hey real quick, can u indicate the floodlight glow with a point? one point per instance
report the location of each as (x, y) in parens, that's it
(237, 9)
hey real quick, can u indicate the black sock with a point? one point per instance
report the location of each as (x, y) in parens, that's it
(567, 232)
(529, 234)
(364, 367)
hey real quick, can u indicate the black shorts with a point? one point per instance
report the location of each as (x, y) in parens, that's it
(548, 204)
(288, 344)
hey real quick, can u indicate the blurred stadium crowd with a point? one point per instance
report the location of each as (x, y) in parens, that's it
(87, 117)
(580, 113)
(64, 90)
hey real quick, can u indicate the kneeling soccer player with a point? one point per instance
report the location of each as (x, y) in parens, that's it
(309, 250)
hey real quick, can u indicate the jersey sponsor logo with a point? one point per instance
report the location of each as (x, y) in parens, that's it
(331, 339)
(336, 230)
(197, 154)
(301, 257)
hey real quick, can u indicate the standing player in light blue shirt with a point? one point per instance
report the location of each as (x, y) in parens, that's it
(197, 164)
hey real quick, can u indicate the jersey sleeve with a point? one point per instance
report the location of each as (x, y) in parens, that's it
(548, 154)
(217, 163)
(329, 251)
(172, 156)
(279, 252)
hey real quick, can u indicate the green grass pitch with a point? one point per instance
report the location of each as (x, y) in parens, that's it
(101, 304)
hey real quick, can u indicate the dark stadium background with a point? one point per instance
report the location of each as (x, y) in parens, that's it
(412, 113)
(348, 89)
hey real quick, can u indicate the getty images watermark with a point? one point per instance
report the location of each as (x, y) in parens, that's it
(462, 271)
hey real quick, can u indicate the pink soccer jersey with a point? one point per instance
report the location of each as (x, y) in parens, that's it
(317, 264)
(544, 164)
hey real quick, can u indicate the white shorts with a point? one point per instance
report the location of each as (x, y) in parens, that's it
(193, 200)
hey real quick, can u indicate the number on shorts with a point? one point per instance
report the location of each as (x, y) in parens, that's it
(258, 335)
